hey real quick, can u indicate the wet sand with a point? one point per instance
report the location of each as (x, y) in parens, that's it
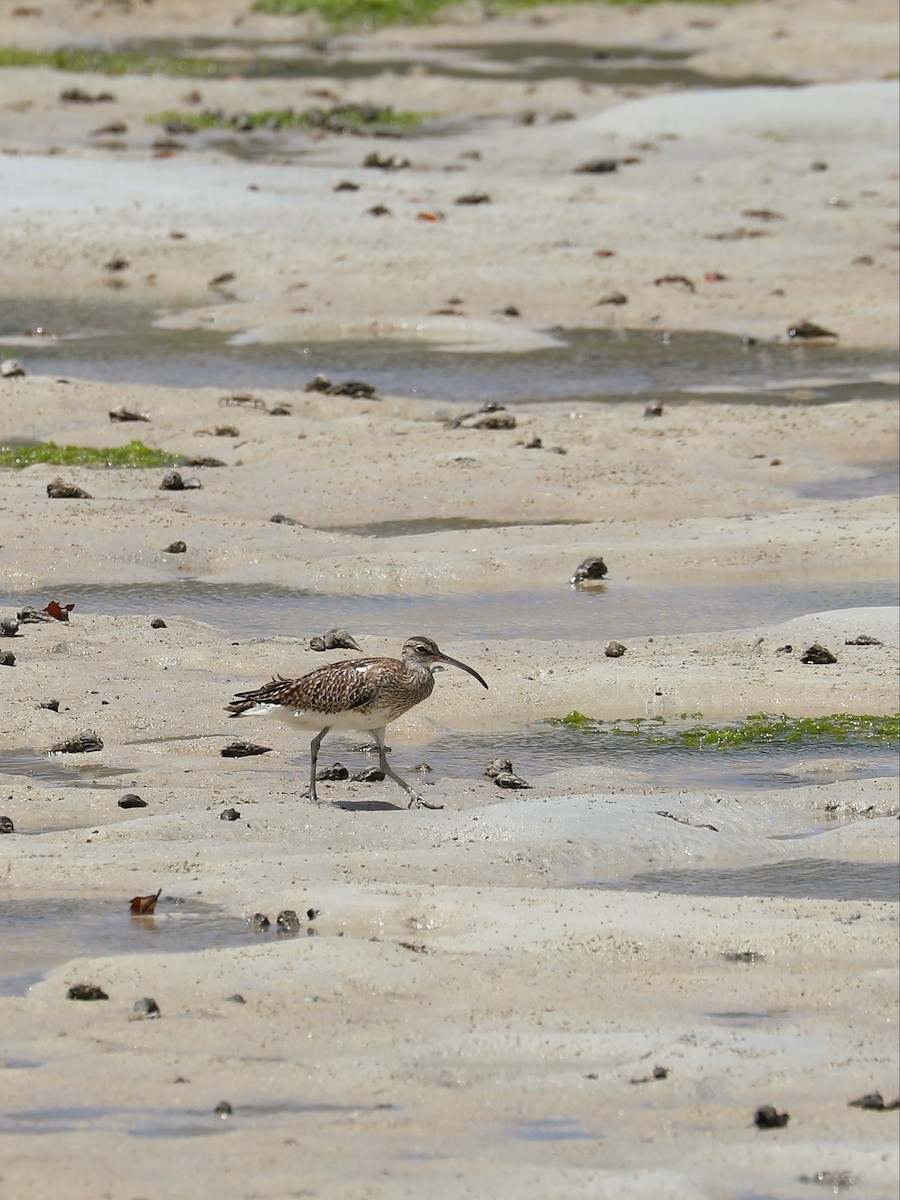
(467, 1014)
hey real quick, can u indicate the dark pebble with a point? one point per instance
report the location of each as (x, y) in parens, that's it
(335, 771)
(7, 658)
(368, 775)
(496, 766)
(508, 779)
(9, 626)
(85, 742)
(229, 814)
(131, 801)
(243, 750)
(172, 482)
(288, 922)
(768, 1117)
(85, 991)
(146, 1007)
(158, 623)
(614, 649)
(223, 1109)
(259, 922)
(818, 656)
(592, 570)
(6, 825)
(176, 548)
(53, 705)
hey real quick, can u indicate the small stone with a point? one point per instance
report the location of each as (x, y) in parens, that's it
(158, 623)
(223, 1109)
(172, 482)
(311, 914)
(874, 1101)
(237, 998)
(335, 771)
(60, 490)
(9, 626)
(259, 922)
(6, 825)
(473, 198)
(52, 705)
(861, 639)
(498, 765)
(334, 639)
(176, 548)
(598, 166)
(281, 519)
(229, 814)
(126, 414)
(11, 368)
(368, 775)
(86, 742)
(614, 649)
(817, 655)
(768, 1118)
(809, 331)
(131, 800)
(85, 991)
(653, 409)
(614, 298)
(592, 570)
(7, 658)
(146, 1007)
(243, 750)
(508, 779)
(288, 922)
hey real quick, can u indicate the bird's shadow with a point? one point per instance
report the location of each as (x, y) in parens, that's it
(368, 806)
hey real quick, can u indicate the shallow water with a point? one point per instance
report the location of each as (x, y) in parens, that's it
(118, 342)
(38, 935)
(620, 610)
(524, 62)
(802, 878)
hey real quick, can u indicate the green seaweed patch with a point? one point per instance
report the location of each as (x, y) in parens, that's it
(760, 729)
(342, 118)
(135, 454)
(373, 13)
(115, 62)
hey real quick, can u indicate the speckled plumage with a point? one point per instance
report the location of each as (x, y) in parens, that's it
(356, 693)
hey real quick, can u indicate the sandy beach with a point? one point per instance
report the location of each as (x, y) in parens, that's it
(478, 1003)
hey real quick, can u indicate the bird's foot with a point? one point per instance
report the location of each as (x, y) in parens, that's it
(416, 801)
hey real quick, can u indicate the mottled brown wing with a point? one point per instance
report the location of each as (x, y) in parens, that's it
(333, 688)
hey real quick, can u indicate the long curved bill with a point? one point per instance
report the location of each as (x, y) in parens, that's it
(454, 662)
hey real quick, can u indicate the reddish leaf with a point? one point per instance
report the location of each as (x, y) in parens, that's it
(143, 906)
(59, 611)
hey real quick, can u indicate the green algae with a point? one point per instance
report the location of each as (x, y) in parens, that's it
(135, 454)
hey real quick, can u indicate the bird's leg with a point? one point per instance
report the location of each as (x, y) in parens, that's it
(415, 800)
(313, 755)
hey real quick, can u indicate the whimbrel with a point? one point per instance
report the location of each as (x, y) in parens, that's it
(357, 693)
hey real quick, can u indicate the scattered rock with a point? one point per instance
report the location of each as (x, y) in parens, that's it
(281, 519)
(114, 265)
(768, 1118)
(86, 742)
(126, 414)
(131, 800)
(615, 298)
(598, 166)
(489, 416)
(236, 998)
(473, 198)
(355, 388)
(259, 922)
(288, 923)
(243, 750)
(861, 639)
(77, 95)
(874, 1101)
(614, 649)
(223, 1109)
(158, 623)
(9, 626)
(591, 571)
(386, 162)
(202, 461)
(656, 1074)
(836, 1180)
(809, 331)
(509, 779)
(368, 775)
(146, 1008)
(172, 482)
(6, 825)
(743, 956)
(7, 658)
(498, 765)
(11, 368)
(334, 639)
(653, 409)
(817, 655)
(33, 616)
(334, 772)
(53, 705)
(60, 490)
(175, 548)
(229, 814)
(85, 991)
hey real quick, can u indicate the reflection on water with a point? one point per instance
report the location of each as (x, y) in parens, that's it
(804, 878)
(119, 343)
(620, 611)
